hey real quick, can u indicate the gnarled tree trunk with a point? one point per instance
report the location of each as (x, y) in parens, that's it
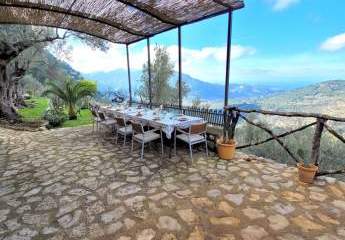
(7, 108)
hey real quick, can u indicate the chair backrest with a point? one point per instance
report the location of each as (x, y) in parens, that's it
(93, 112)
(137, 127)
(101, 116)
(198, 128)
(120, 121)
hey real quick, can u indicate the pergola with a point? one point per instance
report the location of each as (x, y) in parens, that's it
(123, 21)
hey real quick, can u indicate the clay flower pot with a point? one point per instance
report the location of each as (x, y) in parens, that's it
(226, 151)
(307, 173)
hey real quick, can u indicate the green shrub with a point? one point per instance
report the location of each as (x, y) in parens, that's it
(54, 118)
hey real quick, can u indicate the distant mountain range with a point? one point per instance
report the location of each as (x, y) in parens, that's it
(117, 79)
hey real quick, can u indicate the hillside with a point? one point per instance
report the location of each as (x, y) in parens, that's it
(117, 79)
(325, 97)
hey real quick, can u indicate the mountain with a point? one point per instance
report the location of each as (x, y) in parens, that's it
(117, 79)
(326, 97)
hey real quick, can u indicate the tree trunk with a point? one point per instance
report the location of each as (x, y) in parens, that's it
(7, 109)
(72, 115)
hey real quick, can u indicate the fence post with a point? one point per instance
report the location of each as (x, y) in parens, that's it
(315, 151)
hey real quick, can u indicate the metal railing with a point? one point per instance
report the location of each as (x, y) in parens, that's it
(212, 116)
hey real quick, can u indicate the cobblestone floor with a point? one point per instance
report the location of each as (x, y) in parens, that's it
(71, 184)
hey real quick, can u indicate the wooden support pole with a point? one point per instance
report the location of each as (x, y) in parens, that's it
(315, 151)
(179, 69)
(149, 70)
(129, 76)
(228, 58)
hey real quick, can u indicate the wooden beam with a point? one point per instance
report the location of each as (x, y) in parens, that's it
(315, 151)
(296, 159)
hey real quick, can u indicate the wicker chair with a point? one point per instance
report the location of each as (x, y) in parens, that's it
(195, 134)
(143, 137)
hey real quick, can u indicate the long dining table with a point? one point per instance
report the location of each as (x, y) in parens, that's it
(165, 120)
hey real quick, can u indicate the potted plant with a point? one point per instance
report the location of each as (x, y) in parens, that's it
(306, 170)
(226, 144)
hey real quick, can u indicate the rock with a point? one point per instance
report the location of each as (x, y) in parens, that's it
(146, 234)
(3, 214)
(305, 224)
(168, 236)
(49, 230)
(113, 215)
(341, 231)
(289, 236)
(33, 192)
(225, 221)
(36, 219)
(253, 181)
(283, 208)
(253, 213)
(253, 233)
(69, 220)
(328, 236)
(293, 196)
(225, 207)
(235, 198)
(278, 222)
(168, 223)
(158, 196)
(113, 228)
(317, 196)
(128, 190)
(327, 219)
(339, 204)
(197, 234)
(68, 207)
(47, 204)
(214, 193)
(188, 215)
(129, 223)
(201, 202)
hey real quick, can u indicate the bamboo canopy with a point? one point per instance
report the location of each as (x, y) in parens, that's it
(119, 21)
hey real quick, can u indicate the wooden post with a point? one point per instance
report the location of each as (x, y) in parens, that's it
(228, 58)
(129, 76)
(149, 71)
(315, 152)
(179, 69)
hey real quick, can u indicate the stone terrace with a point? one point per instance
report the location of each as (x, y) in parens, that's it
(71, 184)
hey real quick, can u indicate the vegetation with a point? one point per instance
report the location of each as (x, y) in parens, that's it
(37, 110)
(162, 69)
(20, 48)
(332, 150)
(72, 93)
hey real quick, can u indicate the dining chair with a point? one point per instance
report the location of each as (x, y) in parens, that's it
(95, 119)
(194, 134)
(143, 137)
(123, 128)
(106, 122)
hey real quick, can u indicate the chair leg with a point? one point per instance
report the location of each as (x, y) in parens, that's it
(206, 147)
(162, 145)
(124, 139)
(142, 151)
(191, 152)
(93, 126)
(117, 137)
(132, 145)
(175, 142)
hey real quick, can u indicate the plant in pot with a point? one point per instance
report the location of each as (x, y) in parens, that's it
(306, 170)
(226, 144)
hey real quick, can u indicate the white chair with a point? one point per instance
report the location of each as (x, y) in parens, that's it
(195, 134)
(106, 122)
(143, 137)
(123, 129)
(95, 119)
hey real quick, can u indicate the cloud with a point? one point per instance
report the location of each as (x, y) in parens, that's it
(334, 43)
(204, 63)
(279, 5)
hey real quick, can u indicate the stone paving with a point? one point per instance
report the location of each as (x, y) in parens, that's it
(72, 184)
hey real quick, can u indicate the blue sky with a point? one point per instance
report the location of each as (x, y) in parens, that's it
(292, 42)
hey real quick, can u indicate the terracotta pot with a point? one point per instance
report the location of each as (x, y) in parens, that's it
(226, 151)
(306, 174)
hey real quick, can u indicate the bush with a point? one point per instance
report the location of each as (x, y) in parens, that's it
(54, 118)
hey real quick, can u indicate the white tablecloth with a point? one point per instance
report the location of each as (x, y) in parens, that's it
(167, 121)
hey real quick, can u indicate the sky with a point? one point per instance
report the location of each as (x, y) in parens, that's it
(274, 42)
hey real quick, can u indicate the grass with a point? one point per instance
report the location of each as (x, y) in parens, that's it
(36, 109)
(38, 105)
(83, 119)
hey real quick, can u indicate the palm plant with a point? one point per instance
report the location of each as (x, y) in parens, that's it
(71, 92)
